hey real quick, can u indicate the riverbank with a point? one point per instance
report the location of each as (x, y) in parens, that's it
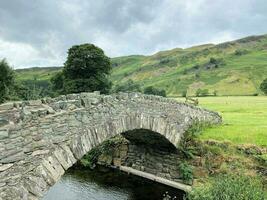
(239, 145)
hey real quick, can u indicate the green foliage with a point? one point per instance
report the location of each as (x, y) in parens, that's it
(186, 172)
(263, 86)
(202, 92)
(86, 70)
(108, 146)
(185, 145)
(229, 187)
(86, 61)
(7, 80)
(184, 93)
(90, 159)
(155, 91)
(240, 52)
(58, 82)
(128, 86)
(87, 85)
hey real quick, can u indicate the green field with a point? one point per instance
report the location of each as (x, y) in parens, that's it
(244, 119)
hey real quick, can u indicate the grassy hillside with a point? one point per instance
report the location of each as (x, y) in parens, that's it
(236, 68)
(36, 73)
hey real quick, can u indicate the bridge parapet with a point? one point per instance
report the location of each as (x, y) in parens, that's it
(41, 139)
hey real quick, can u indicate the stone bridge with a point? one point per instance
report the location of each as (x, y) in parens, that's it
(40, 140)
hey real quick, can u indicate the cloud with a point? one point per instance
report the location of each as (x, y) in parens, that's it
(39, 33)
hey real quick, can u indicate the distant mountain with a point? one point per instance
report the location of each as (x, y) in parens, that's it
(230, 68)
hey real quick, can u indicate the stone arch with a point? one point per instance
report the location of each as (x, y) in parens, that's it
(49, 136)
(65, 155)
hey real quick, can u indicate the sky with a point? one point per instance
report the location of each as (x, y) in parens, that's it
(40, 32)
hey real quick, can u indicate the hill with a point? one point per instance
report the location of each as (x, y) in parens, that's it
(231, 68)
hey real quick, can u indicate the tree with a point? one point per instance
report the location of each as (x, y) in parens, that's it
(128, 86)
(58, 82)
(155, 91)
(85, 70)
(7, 79)
(184, 93)
(263, 86)
(202, 92)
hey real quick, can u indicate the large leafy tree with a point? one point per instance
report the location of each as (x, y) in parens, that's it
(263, 86)
(7, 79)
(86, 70)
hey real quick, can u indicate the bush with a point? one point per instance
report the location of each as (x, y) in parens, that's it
(186, 172)
(202, 92)
(240, 52)
(185, 145)
(184, 93)
(129, 86)
(215, 63)
(155, 91)
(230, 187)
(108, 146)
(263, 86)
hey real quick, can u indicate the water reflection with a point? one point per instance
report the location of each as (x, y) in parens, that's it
(106, 184)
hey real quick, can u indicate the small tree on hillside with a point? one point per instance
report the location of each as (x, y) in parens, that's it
(263, 86)
(7, 79)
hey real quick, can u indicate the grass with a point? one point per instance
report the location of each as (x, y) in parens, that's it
(244, 119)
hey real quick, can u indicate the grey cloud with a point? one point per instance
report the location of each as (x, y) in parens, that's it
(40, 32)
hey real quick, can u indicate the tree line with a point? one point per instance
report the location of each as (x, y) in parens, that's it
(86, 69)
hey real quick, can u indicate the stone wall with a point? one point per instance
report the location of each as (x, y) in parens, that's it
(41, 139)
(160, 162)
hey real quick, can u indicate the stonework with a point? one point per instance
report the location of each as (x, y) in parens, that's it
(40, 140)
(159, 162)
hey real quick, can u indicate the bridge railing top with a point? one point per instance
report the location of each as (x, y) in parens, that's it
(27, 110)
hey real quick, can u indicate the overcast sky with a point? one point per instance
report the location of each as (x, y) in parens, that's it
(39, 32)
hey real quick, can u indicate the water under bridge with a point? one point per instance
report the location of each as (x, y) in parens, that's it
(41, 139)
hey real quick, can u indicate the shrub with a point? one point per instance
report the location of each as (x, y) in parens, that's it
(128, 86)
(184, 93)
(185, 145)
(263, 86)
(240, 52)
(186, 172)
(155, 91)
(202, 92)
(108, 146)
(230, 187)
